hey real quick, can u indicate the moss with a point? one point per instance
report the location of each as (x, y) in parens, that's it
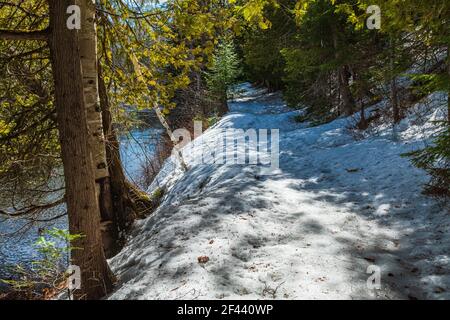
(157, 194)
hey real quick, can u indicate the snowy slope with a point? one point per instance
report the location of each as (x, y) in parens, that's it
(309, 231)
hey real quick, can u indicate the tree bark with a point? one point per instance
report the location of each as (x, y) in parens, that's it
(89, 63)
(128, 203)
(42, 35)
(348, 102)
(363, 124)
(448, 92)
(81, 195)
(88, 55)
(394, 91)
(120, 198)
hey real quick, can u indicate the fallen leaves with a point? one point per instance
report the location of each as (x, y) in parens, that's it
(203, 259)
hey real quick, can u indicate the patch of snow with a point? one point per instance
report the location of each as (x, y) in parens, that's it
(309, 231)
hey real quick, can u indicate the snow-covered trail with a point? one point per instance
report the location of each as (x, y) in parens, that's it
(310, 231)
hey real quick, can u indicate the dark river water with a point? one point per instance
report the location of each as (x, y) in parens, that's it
(18, 236)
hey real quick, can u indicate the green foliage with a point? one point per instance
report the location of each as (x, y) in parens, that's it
(325, 44)
(253, 11)
(169, 43)
(54, 245)
(429, 23)
(325, 59)
(262, 47)
(435, 159)
(29, 146)
(47, 273)
(427, 83)
(150, 60)
(157, 194)
(224, 70)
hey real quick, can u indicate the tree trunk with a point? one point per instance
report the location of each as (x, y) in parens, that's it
(120, 197)
(363, 124)
(81, 195)
(394, 91)
(88, 54)
(222, 107)
(89, 63)
(348, 102)
(394, 100)
(448, 92)
(127, 201)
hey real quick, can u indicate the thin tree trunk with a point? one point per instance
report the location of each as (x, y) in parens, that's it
(394, 100)
(88, 54)
(89, 63)
(448, 92)
(178, 154)
(127, 201)
(363, 124)
(348, 102)
(120, 198)
(81, 195)
(394, 91)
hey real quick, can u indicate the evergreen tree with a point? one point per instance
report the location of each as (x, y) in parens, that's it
(223, 73)
(263, 61)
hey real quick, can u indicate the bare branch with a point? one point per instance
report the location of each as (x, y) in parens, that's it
(42, 35)
(32, 209)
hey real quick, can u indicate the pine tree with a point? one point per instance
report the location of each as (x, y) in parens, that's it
(321, 62)
(427, 21)
(263, 61)
(224, 71)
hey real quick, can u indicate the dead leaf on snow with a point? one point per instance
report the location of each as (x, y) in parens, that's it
(203, 259)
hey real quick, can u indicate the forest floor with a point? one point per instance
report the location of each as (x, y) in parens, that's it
(340, 202)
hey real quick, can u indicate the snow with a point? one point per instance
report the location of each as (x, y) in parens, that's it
(309, 230)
